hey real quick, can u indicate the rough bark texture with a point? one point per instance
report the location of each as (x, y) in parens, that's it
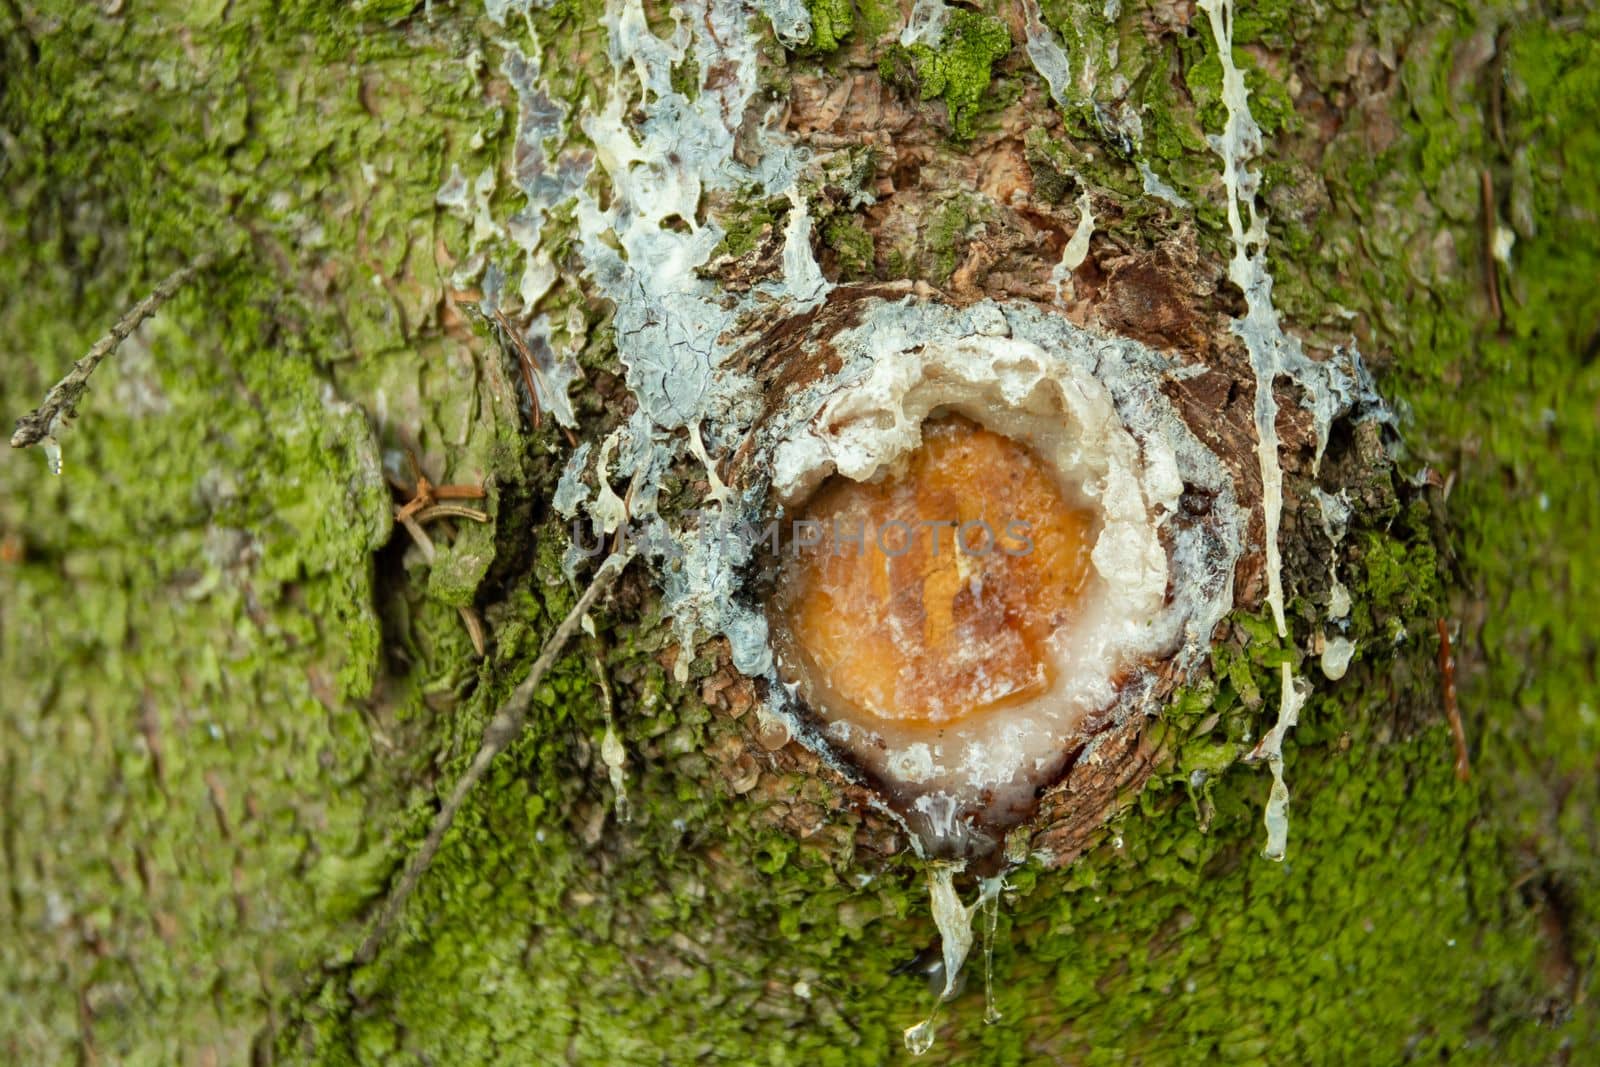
(232, 698)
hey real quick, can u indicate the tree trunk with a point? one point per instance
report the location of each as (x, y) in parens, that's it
(237, 691)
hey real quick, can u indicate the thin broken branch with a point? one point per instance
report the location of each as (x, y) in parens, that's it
(425, 506)
(502, 730)
(455, 511)
(61, 401)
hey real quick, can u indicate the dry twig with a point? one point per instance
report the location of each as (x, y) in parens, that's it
(429, 502)
(61, 401)
(502, 730)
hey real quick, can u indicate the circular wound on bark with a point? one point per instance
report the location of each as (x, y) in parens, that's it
(956, 692)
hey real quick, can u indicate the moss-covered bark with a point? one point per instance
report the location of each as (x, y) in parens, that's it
(232, 697)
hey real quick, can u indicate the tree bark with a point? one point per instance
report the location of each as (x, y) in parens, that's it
(236, 692)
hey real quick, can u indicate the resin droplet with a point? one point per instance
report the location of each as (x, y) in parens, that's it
(1336, 657)
(989, 903)
(919, 1038)
(928, 595)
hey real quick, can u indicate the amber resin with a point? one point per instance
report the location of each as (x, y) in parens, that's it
(928, 595)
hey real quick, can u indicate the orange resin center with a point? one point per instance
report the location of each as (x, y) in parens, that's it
(930, 593)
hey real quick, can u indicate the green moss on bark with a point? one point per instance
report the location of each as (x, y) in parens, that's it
(957, 70)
